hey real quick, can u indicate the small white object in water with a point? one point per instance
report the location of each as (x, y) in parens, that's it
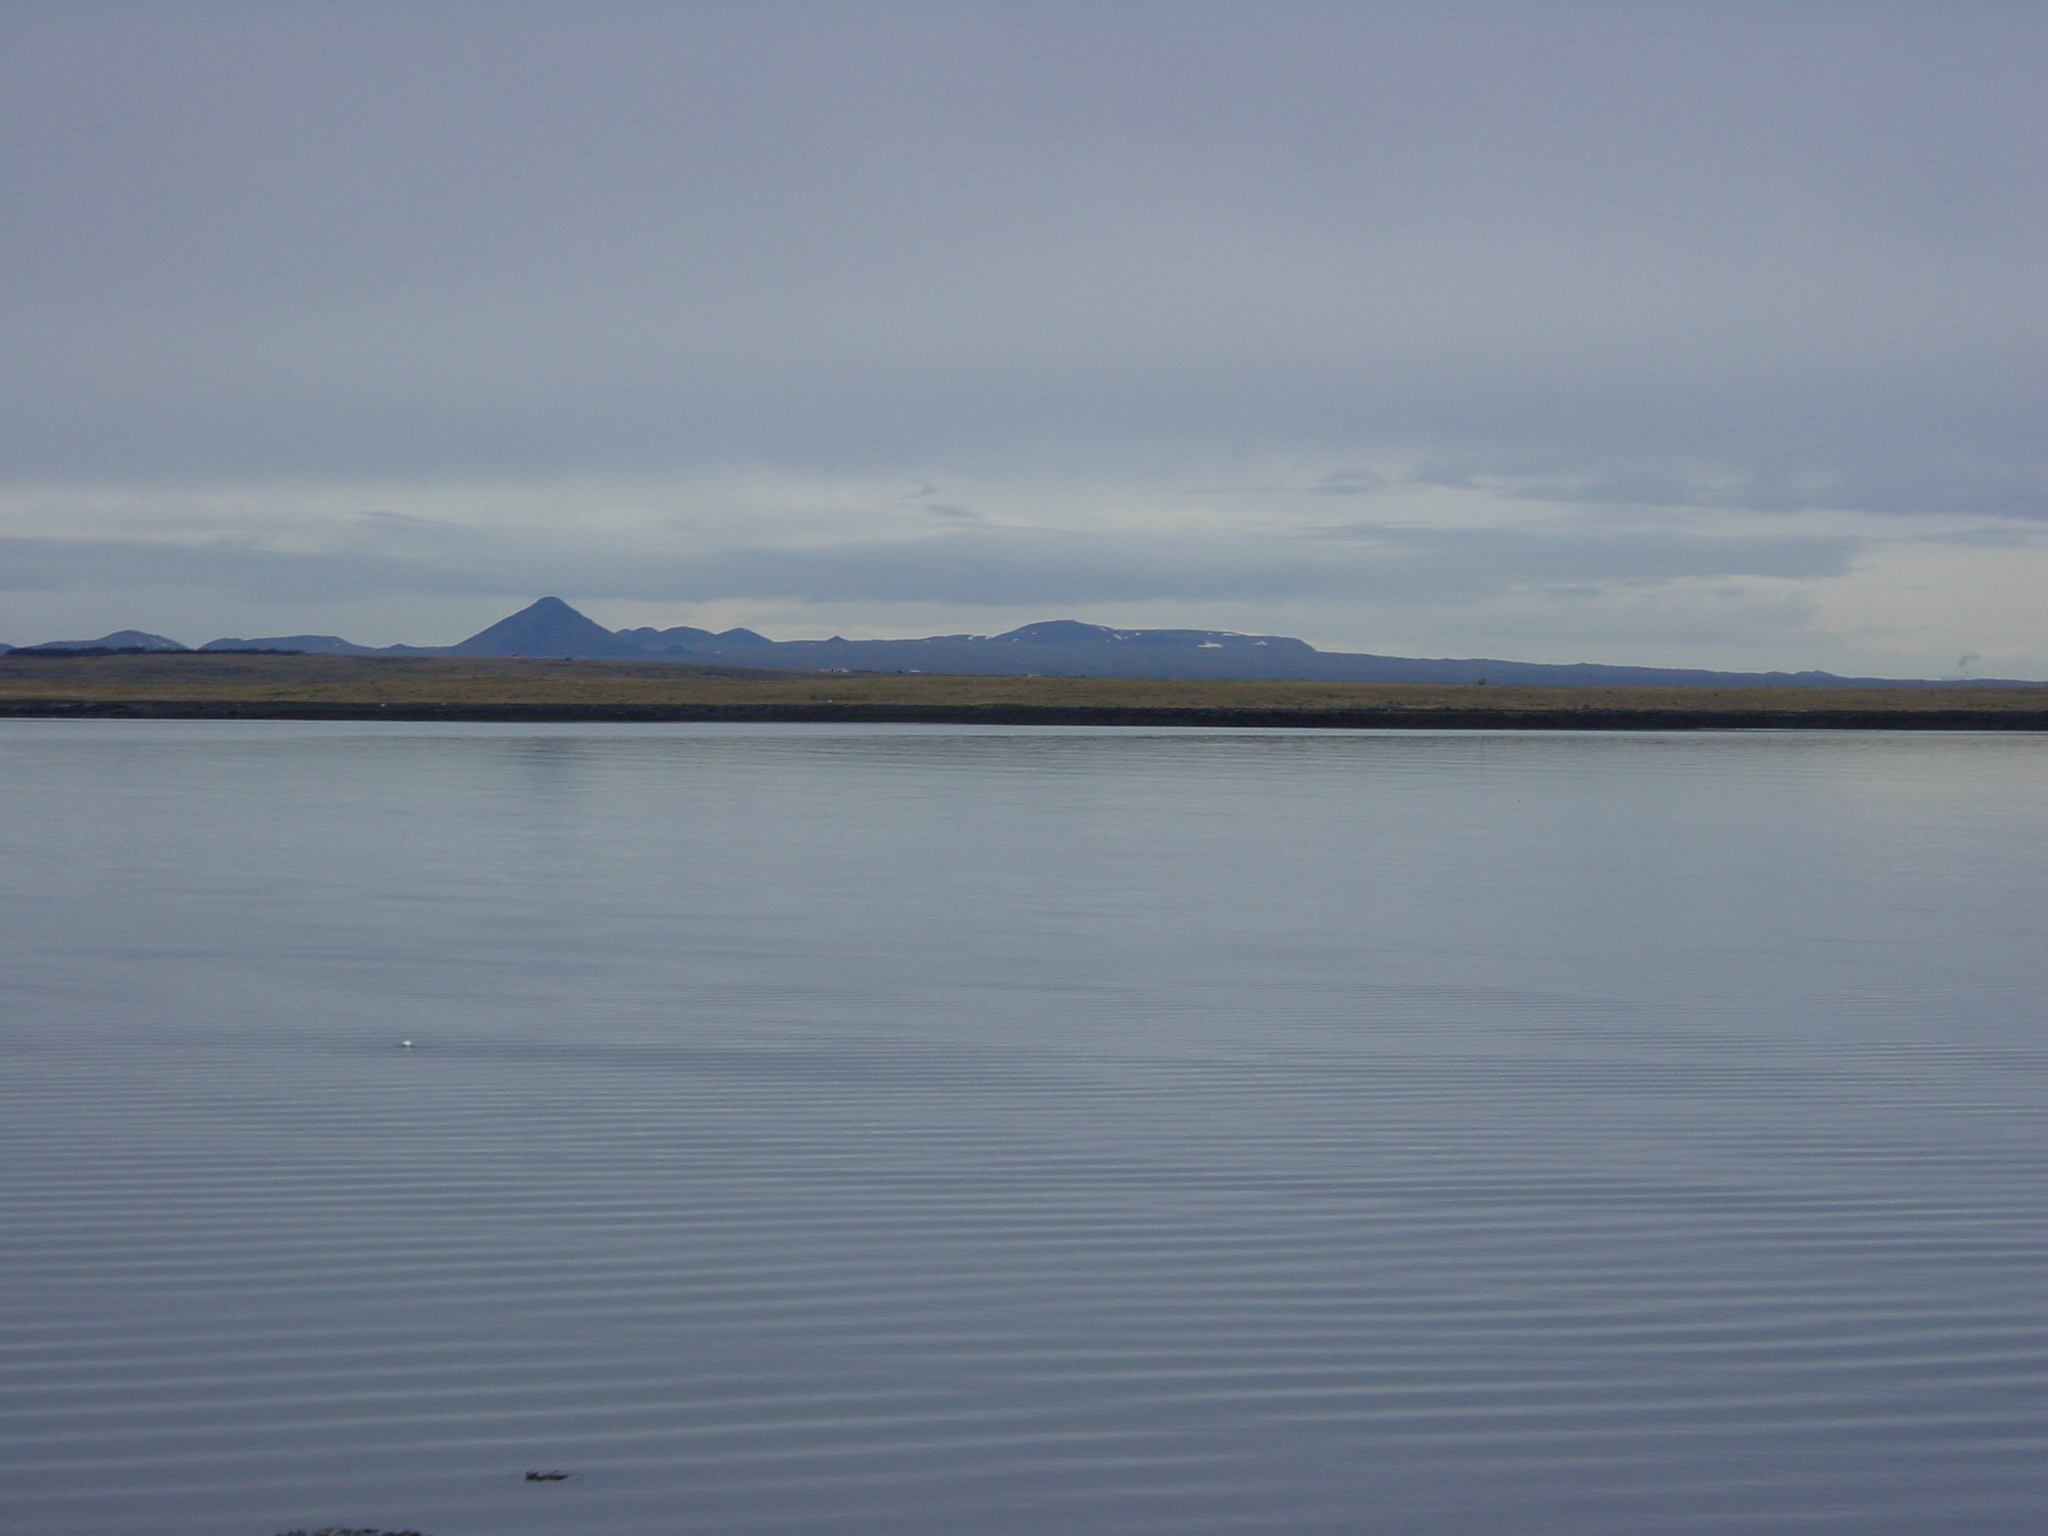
(405, 1044)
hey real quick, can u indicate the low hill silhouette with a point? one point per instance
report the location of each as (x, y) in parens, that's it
(552, 628)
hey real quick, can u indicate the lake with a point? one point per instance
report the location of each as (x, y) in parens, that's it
(1013, 1132)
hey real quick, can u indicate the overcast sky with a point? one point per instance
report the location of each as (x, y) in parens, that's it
(1707, 334)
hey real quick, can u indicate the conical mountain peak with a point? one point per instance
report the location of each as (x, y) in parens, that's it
(549, 627)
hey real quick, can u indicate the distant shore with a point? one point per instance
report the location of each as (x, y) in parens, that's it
(222, 686)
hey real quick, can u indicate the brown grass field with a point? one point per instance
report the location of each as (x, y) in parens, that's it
(448, 687)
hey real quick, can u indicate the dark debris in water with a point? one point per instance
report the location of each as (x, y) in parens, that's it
(348, 1530)
(549, 1477)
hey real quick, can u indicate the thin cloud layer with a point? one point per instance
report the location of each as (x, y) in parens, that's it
(1001, 568)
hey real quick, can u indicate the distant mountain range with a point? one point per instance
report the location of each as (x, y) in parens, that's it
(1057, 648)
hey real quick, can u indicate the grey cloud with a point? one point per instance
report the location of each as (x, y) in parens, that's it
(1490, 559)
(2009, 490)
(1990, 536)
(478, 240)
(1407, 564)
(1349, 482)
(1003, 568)
(55, 565)
(971, 567)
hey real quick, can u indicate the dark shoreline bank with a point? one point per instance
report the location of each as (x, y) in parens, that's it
(1383, 718)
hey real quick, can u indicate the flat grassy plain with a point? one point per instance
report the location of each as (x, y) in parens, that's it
(213, 685)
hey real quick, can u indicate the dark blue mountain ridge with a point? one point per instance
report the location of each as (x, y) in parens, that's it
(119, 640)
(549, 627)
(313, 645)
(1074, 632)
(1050, 648)
(1070, 648)
(661, 639)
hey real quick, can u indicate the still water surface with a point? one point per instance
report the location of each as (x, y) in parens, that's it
(878, 1130)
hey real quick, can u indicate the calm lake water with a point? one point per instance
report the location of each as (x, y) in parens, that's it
(850, 1131)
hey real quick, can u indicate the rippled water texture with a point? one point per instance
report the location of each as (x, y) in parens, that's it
(839, 1131)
